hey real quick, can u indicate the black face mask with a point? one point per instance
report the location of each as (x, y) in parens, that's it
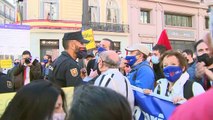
(206, 59)
(82, 52)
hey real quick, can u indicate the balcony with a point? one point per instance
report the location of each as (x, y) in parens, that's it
(7, 16)
(109, 27)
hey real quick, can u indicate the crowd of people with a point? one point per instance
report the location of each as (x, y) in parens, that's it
(103, 80)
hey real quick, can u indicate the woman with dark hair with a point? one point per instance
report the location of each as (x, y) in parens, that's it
(47, 61)
(39, 100)
(98, 103)
(176, 84)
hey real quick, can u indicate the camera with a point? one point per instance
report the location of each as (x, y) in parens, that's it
(27, 61)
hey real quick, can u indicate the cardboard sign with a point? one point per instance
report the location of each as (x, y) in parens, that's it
(88, 35)
(6, 63)
(5, 99)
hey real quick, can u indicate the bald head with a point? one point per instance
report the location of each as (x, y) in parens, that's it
(111, 59)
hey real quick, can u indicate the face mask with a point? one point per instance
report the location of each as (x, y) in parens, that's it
(131, 60)
(58, 116)
(82, 52)
(45, 61)
(101, 49)
(155, 59)
(172, 73)
(206, 59)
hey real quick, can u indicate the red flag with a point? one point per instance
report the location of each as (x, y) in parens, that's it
(163, 40)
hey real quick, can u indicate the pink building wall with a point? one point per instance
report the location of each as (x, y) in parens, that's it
(149, 33)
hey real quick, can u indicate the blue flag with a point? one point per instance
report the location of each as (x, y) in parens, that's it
(152, 107)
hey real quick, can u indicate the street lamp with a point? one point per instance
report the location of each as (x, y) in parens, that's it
(85, 15)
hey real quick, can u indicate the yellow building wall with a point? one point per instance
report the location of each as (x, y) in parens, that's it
(70, 10)
(33, 7)
(122, 4)
(125, 12)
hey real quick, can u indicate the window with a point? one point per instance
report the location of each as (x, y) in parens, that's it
(12, 14)
(207, 22)
(144, 16)
(112, 12)
(181, 45)
(1, 20)
(7, 11)
(94, 11)
(1, 7)
(178, 20)
(49, 46)
(50, 9)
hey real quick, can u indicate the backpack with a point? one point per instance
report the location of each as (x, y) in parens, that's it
(187, 90)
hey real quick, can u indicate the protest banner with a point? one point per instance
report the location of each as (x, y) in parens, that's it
(5, 98)
(88, 35)
(6, 63)
(152, 107)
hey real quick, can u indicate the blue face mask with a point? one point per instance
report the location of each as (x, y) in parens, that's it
(172, 73)
(101, 49)
(131, 60)
(45, 61)
(155, 59)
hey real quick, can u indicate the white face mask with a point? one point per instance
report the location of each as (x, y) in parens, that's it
(58, 116)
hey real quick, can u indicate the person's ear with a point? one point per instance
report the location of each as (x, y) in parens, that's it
(140, 56)
(71, 45)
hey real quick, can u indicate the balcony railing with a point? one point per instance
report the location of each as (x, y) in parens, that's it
(7, 16)
(109, 27)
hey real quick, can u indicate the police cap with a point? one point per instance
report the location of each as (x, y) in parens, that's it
(75, 36)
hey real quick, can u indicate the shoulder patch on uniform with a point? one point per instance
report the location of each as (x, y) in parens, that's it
(74, 72)
(51, 68)
(9, 84)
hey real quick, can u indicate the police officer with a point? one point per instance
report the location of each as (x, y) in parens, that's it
(65, 70)
(5, 84)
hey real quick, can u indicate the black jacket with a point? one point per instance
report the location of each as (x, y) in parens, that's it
(65, 71)
(5, 84)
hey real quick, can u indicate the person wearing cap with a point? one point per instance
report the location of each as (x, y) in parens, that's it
(65, 70)
(141, 74)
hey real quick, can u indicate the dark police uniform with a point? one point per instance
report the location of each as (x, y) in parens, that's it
(65, 71)
(5, 84)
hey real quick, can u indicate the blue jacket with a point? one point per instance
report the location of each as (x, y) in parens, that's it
(142, 76)
(191, 72)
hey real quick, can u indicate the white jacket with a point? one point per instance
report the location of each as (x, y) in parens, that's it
(114, 79)
(177, 88)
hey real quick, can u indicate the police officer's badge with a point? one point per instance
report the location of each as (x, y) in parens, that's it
(9, 84)
(74, 72)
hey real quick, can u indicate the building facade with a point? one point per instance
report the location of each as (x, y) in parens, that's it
(50, 19)
(185, 21)
(7, 12)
